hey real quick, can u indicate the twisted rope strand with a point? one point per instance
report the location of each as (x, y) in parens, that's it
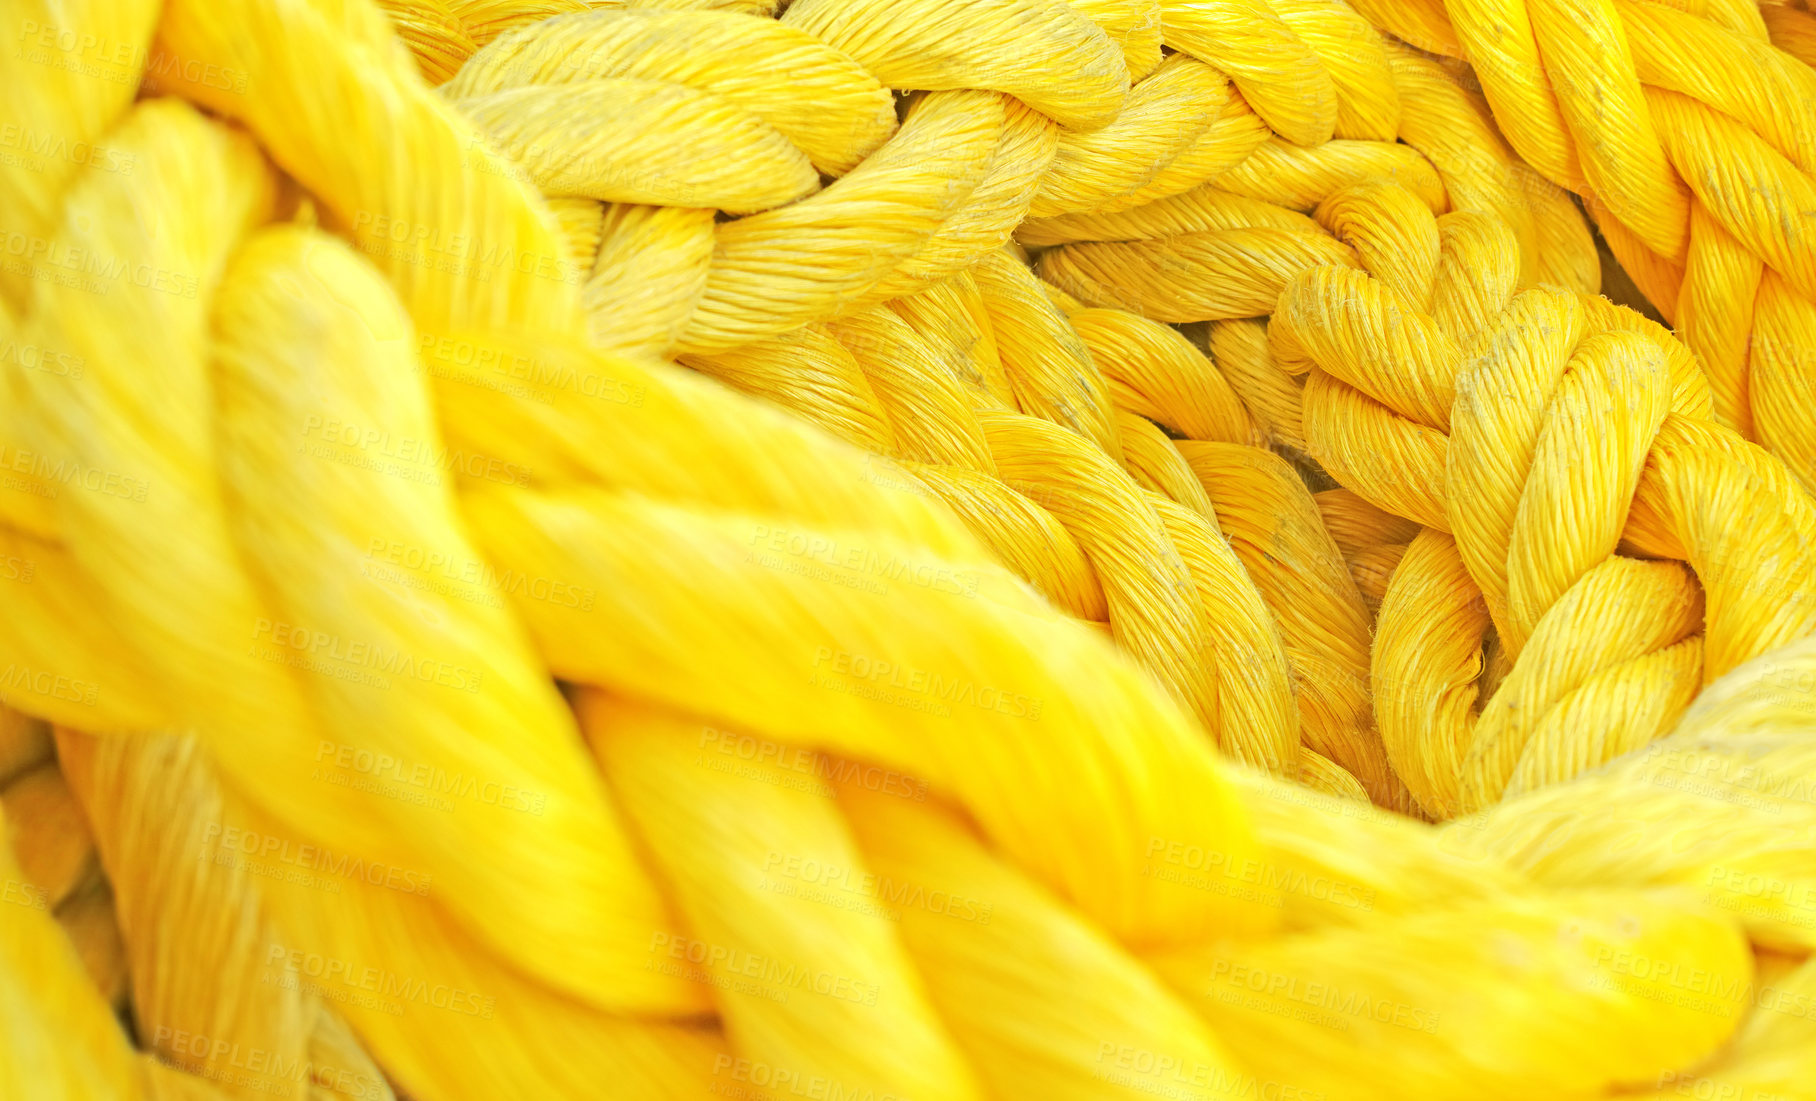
(894, 751)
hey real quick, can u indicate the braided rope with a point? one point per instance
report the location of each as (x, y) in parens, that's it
(1530, 434)
(851, 775)
(1687, 131)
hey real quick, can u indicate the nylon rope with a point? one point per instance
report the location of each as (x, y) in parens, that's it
(911, 549)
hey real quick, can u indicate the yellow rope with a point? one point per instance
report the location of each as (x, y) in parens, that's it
(1686, 129)
(1000, 715)
(1540, 429)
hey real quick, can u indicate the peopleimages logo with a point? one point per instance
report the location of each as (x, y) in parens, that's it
(231, 1063)
(17, 892)
(1169, 1076)
(889, 891)
(329, 971)
(1672, 981)
(70, 472)
(409, 455)
(323, 646)
(751, 1080)
(1797, 893)
(85, 269)
(479, 575)
(1259, 873)
(1719, 776)
(733, 962)
(232, 840)
(36, 357)
(39, 146)
(431, 779)
(17, 678)
(418, 243)
(857, 672)
(1323, 1003)
(780, 548)
(735, 749)
(539, 378)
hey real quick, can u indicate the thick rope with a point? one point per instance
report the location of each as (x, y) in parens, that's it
(842, 797)
(1538, 430)
(1687, 131)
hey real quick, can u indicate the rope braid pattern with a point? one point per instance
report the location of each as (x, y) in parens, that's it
(1147, 594)
(1686, 130)
(629, 918)
(1530, 434)
(1222, 253)
(1151, 614)
(1153, 620)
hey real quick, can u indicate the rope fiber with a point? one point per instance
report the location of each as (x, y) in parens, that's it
(907, 549)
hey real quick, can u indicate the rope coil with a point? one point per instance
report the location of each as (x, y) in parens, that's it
(1685, 133)
(895, 711)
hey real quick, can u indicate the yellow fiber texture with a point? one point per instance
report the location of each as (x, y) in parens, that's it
(907, 549)
(1687, 129)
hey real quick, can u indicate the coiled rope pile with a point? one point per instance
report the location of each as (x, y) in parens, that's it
(987, 700)
(1687, 131)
